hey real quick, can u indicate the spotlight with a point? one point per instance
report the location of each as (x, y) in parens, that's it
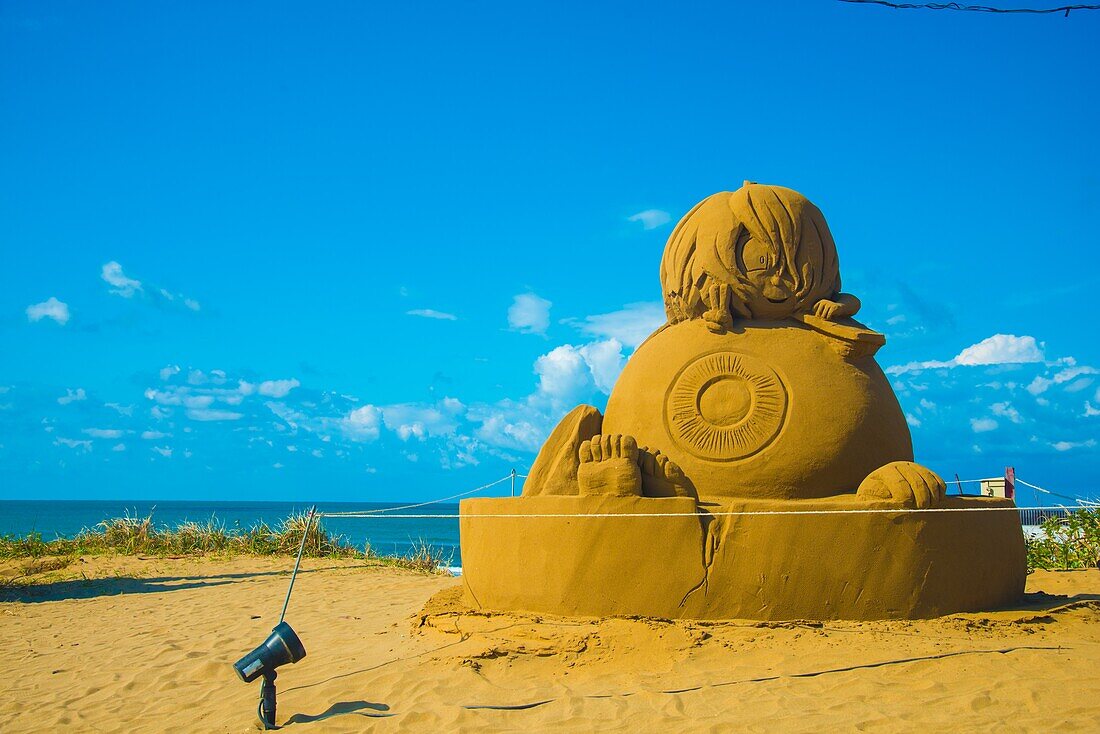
(281, 647)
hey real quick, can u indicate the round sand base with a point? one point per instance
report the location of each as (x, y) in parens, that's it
(659, 558)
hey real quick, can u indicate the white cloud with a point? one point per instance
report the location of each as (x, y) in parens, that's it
(997, 349)
(1090, 411)
(120, 284)
(72, 396)
(651, 218)
(1039, 385)
(429, 313)
(563, 375)
(154, 435)
(511, 425)
(197, 401)
(102, 432)
(127, 410)
(983, 425)
(164, 397)
(118, 447)
(362, 424)
(418, 421)
(1076, 371)
(1001, 349)
(529, 314)
(912, 420)
(125, 286)
(1005, 410)
(630, 325)
(51, 308)
(605, 361)
(1069, 445)
(277, 388)
(166, 373)
(208, 414)
(73, 443)
(164, 451)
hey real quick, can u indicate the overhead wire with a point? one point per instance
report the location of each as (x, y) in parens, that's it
(1064, 9)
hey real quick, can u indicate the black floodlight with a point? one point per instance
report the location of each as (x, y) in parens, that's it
(282, 646)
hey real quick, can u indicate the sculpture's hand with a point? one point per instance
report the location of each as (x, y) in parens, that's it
(683, 305)
(717, 300)
(827, 309)
(842, 304)
(909, 484)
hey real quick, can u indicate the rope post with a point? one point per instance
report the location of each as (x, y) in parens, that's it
(298, 561)
(513, 482)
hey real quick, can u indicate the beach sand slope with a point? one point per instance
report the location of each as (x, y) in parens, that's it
(131, 644)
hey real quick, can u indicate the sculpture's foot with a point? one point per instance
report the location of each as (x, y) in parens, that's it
(661, 477)
(909, 484)
(609, 466)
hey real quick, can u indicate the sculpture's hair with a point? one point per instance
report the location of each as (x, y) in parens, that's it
(702, 250)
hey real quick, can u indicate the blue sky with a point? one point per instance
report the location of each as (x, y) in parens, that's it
(366, 251)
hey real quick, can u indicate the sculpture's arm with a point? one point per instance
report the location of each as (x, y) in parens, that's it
(841, 305)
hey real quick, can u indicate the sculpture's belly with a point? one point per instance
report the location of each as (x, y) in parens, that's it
(772, 411)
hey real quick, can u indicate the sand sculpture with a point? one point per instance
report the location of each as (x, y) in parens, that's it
(741, 448)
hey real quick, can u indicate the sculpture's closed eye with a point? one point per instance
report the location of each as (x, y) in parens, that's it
(754, 255)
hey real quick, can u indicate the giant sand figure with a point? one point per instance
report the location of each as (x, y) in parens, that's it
(736, 444)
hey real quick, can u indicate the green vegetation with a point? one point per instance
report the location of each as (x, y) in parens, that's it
(1066, 543)
(131, 536)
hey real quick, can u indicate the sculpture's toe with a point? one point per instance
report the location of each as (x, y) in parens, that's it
(609, 466)
(628, 447)
(662, 477)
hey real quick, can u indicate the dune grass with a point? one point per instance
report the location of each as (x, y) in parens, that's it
(1066, 543)
(141, 536)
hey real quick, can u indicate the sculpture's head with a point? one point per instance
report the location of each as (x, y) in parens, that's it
(769, 244)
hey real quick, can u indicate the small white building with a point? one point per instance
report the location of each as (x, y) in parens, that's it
(994, 487)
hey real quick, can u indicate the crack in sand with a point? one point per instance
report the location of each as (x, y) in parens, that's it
(769, 678)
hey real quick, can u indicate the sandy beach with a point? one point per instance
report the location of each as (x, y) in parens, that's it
(132, 644)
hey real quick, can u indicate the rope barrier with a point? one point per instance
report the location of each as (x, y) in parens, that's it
(732, 513)
(1055, 494)
(385, 510)
(390, 513)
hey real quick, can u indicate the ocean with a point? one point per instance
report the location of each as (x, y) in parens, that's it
(59, 518)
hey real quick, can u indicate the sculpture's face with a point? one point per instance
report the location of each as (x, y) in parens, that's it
(770, 292)
(768, 244)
